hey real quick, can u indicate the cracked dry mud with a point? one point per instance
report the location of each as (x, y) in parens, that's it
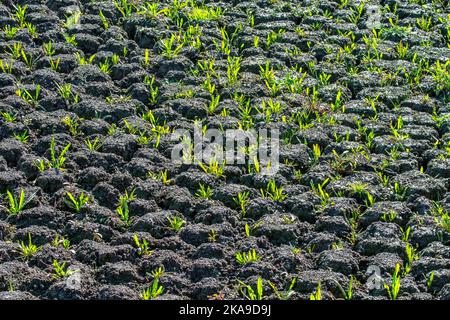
(91, 90)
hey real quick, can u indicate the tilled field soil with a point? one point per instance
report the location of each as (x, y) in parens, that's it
(93, 207)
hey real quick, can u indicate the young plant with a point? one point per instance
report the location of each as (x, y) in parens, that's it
(317, 152)
(400, 191)
(105, 22)
(22, 137)
(249, 231)
(105, 66)
(430, 280)
(317, 295)
(213, 235)
(17, 204)
(60, 270)
(233, 68)
(348, 295)
(394, 288)
(252, 294)
(169, 48)
(286, 294)
(213, 104)
(242, 201)
(204, 192)
(54, 64)
(152, 292)
(6, 67)
(29, 249)
(150, 82)
(57, 162)
(389, 217)
(72, 125)
(94, 145)
(142, 246)
(411, 256)
(213, 168)
(319, 190)
(28, 59)
(20, 15)
(125, 7)
(71, 40)
(10, 32)
(176, 223)
(273, 192)
(28, 97)
(247, 257)
(65, 92)
(124, 213)
(162, 176)
(157, 273)
(65, 243)
(77, 203)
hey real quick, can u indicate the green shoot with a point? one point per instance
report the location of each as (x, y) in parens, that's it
(77, 203)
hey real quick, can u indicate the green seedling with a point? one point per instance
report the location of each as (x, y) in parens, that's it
(6, 67)
(105, 66)
(10, 32)
(247, 257)
(54, 64)
(285, 295)
(317, 295)
(94, 145)
(273, 192)
(233, 68)
(430, 280)
(204, 192)
(152, 292)
(20, 15)
(157, 273)
(28, 59)
(252, 294)
(77, 204)
(319, 190)
(242, 201)
(60, 270)
(249, 231)
(22, 137)
(176, 223)
(389, 217)
(411, 256)
(124, 213)
(105, 22)
(61, 241)
(17, 204)
(400, 191)
(394, 289)
(142, 246)
(150, 82)
(162, 176)
(317, 152)
(213, 104)
(8, 117)
(169, 49)
(29, 249)
(28, 97)
(212, 235)
(125, 7)
(213, 168)
(72, 125)
(57, 162)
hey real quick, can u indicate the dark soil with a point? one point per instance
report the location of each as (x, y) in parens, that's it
(364, 116)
